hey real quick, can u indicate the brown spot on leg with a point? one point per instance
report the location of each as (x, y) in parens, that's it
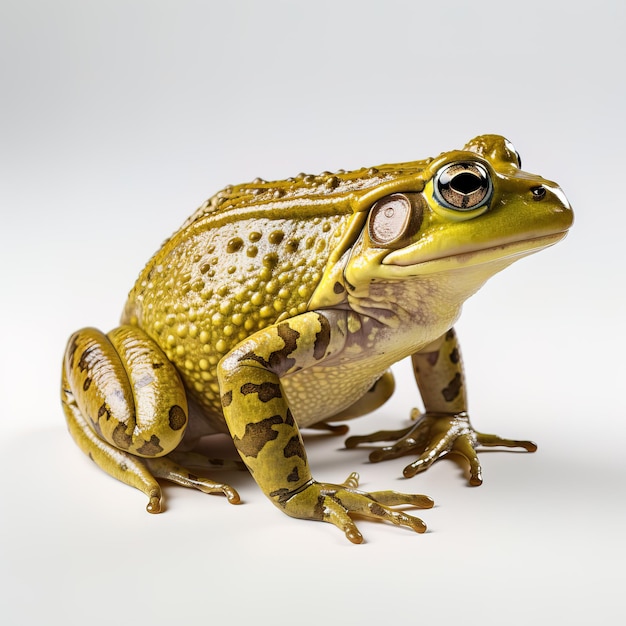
(453, 389)
(377, 510)
(104, 410)
(227, 398)
(455, 356)
(257, 435)
(320, 508)
(294, 447)
(87, 383)
(177, 417)
(151, 448)
(120, 438)
(83, 362)
(294, 476)
(279, 361)
(282, 495)
(322, 339)
(267, 391)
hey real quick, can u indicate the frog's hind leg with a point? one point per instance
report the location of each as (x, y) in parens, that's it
(126, 406)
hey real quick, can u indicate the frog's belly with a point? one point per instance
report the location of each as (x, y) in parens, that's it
(318, 393)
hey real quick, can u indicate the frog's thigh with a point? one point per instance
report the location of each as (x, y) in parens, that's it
(127, 390)
(375, 397)
(122, 398)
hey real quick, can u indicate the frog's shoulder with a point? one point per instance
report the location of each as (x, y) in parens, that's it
(314, 194)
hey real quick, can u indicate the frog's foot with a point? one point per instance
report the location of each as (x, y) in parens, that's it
(334, 429)
(334, 503)
(162, 467)
(434, 436)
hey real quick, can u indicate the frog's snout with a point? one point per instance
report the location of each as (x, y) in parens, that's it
(549, 196)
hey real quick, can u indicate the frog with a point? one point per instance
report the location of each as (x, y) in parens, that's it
(281, 306)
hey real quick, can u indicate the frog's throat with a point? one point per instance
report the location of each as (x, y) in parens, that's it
(470, 269)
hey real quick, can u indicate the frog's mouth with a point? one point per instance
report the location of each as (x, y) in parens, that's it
(496, 238)
(402, 263)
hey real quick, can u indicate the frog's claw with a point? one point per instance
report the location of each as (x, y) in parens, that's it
(434, 436)
(334, 502)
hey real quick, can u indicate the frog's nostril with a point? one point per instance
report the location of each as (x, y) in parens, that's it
(538, 192)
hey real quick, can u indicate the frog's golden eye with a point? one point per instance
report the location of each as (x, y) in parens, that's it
(395, 217)
(463, 186)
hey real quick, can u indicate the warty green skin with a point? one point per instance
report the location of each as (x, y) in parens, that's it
(280, 306)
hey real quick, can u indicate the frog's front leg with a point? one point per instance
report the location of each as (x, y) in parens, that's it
(445, 426)
(268, 439)
(126, 408)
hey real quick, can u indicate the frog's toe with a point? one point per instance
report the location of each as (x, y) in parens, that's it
(352, 482)
(395, 498)
(333, 429)
(491, 441)
(163, 467)
(154, 504)
(464, 446)
(380, 435)
(231, 494)
(336, 514)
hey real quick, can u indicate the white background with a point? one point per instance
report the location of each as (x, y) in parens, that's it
(119, 118)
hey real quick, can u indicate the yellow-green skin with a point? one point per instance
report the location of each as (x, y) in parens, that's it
(282, 305)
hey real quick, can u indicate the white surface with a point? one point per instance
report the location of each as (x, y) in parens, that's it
(119, 118)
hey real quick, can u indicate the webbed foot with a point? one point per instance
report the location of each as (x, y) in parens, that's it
(434, 436)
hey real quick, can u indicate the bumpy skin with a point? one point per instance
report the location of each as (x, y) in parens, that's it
(282, 305)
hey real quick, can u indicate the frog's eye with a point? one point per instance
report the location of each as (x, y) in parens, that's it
(395, 217)
(463, 186)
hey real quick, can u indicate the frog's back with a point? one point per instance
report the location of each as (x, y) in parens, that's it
(250, 256)
(322, 194)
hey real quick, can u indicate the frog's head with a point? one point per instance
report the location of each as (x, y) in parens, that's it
(470, 212)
